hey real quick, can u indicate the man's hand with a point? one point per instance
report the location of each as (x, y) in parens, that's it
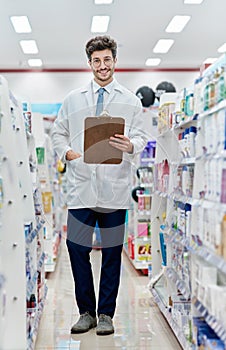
(70, 155)
(122, 143)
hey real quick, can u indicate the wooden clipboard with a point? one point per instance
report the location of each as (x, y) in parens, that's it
(97, 131)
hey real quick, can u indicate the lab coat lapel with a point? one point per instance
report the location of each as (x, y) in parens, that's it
(88, 95)
(114, 93)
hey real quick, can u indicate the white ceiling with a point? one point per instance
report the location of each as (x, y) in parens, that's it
(62, 27)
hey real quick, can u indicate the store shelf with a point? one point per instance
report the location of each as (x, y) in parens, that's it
(215, 109)
(208, 255)
(34, 331)
(139, 265)
(165, 311)
(215, 324)
(172, 276)
(198, 249)
(31, 236)
(185, 123)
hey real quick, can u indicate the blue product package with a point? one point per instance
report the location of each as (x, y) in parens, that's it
(214, 344)
(163, 247)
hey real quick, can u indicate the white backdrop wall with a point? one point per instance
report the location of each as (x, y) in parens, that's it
(53, 87)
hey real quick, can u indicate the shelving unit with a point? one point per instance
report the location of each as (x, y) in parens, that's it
(50, 191)
(188, 207)
(23, 289)
(138, 228)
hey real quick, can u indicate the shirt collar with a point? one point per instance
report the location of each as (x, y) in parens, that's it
(108, 87)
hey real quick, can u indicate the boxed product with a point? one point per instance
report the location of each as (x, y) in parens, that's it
(142, 229)
(214, 344)
(144, 251)
(202, 332)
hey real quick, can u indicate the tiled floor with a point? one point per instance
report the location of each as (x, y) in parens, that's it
(139, 325)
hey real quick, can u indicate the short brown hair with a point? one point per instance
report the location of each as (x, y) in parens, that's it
(101, 43)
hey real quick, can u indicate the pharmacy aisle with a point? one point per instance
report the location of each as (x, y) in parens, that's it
(139, 325)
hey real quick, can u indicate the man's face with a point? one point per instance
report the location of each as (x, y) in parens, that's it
(102, 64)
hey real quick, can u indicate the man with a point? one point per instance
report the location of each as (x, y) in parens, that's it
(97, 193)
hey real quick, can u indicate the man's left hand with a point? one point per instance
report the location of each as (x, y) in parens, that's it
(122, 143)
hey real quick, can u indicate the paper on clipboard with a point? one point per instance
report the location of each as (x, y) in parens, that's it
(97, 131)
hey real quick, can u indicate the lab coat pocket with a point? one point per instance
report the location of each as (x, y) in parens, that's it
(80, 170)
(117, 172)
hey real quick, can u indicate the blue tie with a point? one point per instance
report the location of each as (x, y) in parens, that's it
(100, 101)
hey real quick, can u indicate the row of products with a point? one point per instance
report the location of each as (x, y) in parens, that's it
(181, 314)
(183, 177)
(214, 180)
(139, 249)
(208, 288)
(162, 176)
(211, 135)
(145, 176)
(148, 152)
(180, 219)
(180, 262)
(27, 121)
(204, 338)
(209, 228)
(213, 87)
(144, 200)
(165, 116)
(187, 142)
(208, 91)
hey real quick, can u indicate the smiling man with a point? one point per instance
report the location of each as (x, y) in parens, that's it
(98, 193)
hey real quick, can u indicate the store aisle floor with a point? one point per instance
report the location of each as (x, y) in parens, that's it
(138, 323)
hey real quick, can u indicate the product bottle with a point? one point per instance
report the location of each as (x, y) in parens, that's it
(223, 235)
(211, 92)
(32, 301)
(221, 86)
(206, 94)
(192, 136)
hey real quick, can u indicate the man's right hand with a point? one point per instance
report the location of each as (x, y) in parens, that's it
(70, 155)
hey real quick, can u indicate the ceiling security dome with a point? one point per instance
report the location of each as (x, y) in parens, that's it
(164, 86)
(146, 95)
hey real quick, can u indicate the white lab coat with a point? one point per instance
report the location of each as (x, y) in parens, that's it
(98, 185)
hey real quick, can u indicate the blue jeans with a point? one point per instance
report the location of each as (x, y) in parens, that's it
(80, 225)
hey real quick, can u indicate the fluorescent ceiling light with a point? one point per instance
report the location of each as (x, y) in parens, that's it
(163, 45)
(35, 62)
(100, 24)
(20, 24)
(177, 24)
(222, 48)
(210, 60)
(152, 61)
(29, 46)
(101, 2)
(193, 2)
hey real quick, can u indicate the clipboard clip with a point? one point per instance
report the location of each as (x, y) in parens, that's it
(105, 114)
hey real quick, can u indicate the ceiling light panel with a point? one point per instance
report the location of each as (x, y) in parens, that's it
(29, 46)
(177, 24)
(103, 2)
(100, 24)
(152, 61)
(196, 2)
(163, 45)
(35, 62)
(222, 48)
(21, 24)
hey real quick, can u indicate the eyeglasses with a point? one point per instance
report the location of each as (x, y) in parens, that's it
(96, 62)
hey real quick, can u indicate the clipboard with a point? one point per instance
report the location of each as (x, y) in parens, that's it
(97, 131)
